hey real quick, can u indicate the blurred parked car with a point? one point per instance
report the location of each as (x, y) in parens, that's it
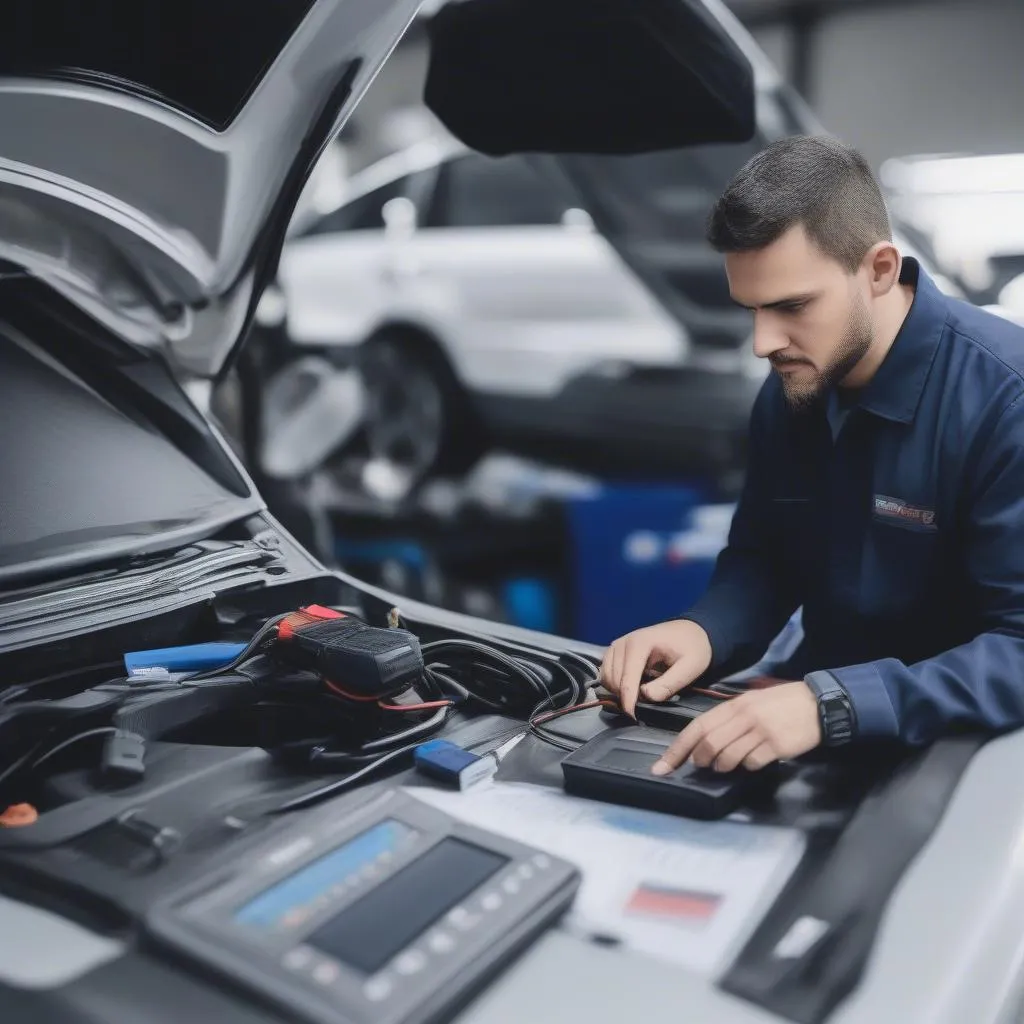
(564, 307)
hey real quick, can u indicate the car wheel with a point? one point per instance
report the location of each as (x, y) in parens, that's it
(417, 416)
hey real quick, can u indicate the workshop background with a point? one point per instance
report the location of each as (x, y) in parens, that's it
(517, 387)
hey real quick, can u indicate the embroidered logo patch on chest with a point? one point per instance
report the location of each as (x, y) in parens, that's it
(899, 511)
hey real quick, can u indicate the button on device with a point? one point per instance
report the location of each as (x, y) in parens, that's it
(378, 989)
(491, 901)
(298, 959)
(462, 919)
(441, 942)
(511, 885)
(326, 972)
(525, 872)
(412, 961)
(542, 860)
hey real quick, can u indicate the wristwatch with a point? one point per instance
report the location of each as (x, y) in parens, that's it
(835, 710)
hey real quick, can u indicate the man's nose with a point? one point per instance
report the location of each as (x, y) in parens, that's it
(768, 339)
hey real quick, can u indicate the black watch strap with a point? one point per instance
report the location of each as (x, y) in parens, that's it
(835, 709)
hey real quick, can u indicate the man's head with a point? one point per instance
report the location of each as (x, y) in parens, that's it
(808, 248)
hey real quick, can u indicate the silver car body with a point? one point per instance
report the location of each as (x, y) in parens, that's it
(517, 309)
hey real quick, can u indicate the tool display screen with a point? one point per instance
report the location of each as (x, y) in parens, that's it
(629, 759)
(382, 923)
(294, 900)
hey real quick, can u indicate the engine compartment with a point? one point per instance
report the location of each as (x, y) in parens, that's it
(103, 852)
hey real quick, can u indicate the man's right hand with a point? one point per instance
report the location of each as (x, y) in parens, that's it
(680, 650)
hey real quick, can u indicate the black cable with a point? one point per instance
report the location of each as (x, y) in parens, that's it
(554, 741)
(336, 787)
(250, 649)
(105, 730)
(481, 650)
(425, 728)
(22, 761)
(589, 666)
(322, 758)
(434, 686)
(488, 665)
(40, 753)
(525, 652)
(449, 687)
(576, 690)
(16, 692)
(537, 728)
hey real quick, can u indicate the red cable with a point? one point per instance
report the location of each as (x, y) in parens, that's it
(344, 693)
(427, 706)
(416, 707)
(717, 694)
(576, 707)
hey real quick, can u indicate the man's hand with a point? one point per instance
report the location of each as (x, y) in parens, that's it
(682, 649)
(751, 730)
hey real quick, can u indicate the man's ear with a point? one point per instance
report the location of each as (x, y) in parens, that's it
(882, 263)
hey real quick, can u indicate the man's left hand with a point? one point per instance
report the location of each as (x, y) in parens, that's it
(751, 730)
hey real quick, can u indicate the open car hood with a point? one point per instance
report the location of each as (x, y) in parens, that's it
(151, 154)
(588, 76)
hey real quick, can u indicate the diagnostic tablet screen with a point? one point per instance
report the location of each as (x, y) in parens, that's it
(394, 913)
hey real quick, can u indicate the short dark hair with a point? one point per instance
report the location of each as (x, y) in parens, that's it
(805, 179)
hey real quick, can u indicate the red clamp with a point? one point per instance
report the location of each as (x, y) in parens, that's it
(304, 617)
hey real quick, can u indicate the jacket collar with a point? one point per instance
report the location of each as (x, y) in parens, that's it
(894, 392)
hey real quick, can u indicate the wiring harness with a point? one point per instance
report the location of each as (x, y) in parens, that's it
(393, 690)
(484, 675)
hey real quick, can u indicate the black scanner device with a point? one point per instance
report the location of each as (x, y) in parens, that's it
(615, 767)
(675, 713)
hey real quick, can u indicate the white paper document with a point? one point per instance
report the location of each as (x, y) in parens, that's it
(686, 891)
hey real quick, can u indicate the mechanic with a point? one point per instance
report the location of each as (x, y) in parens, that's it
(884, 492)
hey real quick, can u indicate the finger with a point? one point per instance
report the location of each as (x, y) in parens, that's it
(618, 659)
(760, 757)
(634, 662)
(676, 678)
(710, 748)
(683, 745)
(734, 754)
(604, 675)
(609, 680)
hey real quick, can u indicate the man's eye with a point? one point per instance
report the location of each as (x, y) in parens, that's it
(794, 307)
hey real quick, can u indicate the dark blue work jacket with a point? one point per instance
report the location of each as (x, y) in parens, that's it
(902, 535)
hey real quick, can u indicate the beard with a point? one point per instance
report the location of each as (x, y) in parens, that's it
(806, 392)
